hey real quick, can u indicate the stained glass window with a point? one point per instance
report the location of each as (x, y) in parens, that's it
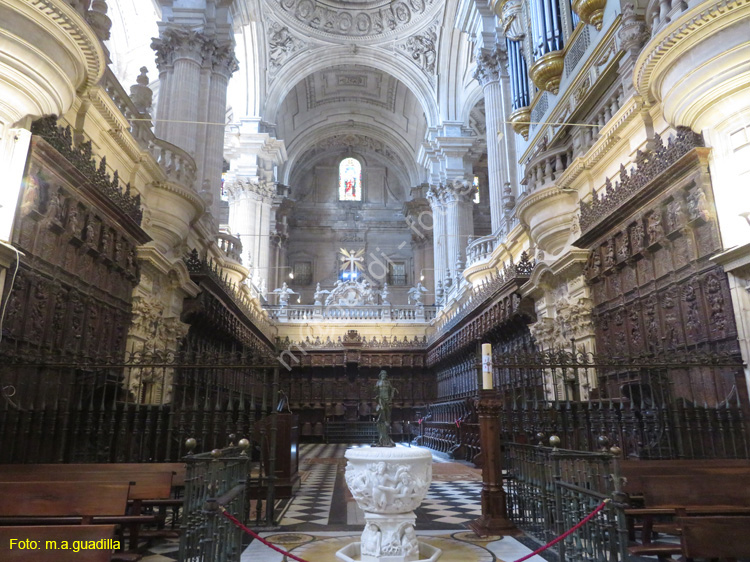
(350, 180)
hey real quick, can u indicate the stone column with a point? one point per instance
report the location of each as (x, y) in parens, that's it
(223, 65)
(263, 228)
(194, 69)
(458, 196)
(179, 57)
(434, 196)
(496, 106)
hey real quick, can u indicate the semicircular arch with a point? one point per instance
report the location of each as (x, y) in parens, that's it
(313, 61)
(393, 147)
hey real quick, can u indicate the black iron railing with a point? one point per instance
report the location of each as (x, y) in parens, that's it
(214, 480)
(551, 490)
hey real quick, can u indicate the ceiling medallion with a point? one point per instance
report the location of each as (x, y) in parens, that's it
(355, 19)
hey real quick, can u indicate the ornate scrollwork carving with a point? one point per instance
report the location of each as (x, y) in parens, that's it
(423, 49)
(647, 166)
(356, 19)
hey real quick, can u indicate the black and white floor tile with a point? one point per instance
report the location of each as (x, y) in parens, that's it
(450, 505)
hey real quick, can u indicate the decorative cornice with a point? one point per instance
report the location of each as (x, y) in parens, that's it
(81, 157)
(489, 66)
(354, 20)
(647, 167)
(663, 46)
(73, 25)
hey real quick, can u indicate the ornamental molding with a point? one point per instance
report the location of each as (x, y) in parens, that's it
(63, 16)
(422, 49)
(489, 65)
(283, 45)
(663, 47)
(198, 204)
(647, 167)
(358, 21)
(178, 42)
(356, 141)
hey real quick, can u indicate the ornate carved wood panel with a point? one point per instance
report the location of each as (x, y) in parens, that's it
(73, 290)
(654, 286)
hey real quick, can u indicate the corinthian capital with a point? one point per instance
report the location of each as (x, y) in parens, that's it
(179, 42)
(489, 65)
(460, 190)
(223, 60)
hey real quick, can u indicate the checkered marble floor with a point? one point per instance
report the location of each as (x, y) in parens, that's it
(450, 504)
(312, 503)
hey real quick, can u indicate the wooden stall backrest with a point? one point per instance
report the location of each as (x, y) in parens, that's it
(53, 499)
(715, 536)
(635, 472)
(143, 486)
(717, 491)
(178, 470)
(57, 533)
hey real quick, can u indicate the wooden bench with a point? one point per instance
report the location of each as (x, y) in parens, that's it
(687, 494)
(57, 503)
(715, 536)
(58, 534)
(178, 470)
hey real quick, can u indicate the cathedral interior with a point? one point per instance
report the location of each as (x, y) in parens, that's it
(220, 220)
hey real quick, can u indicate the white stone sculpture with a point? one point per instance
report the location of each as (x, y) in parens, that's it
(319, 294)
(388, 484)
(284, 292)
(416, 293)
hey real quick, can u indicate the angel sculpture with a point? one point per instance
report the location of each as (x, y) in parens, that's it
(319, 295)
(384, 294)
(415, 294)
(284, 291)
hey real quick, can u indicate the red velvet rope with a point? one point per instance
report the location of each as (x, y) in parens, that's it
(573, 529)
(234, 520)
(570, 531)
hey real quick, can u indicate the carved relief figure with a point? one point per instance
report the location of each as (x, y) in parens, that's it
(609, 253)
(698, 205)
(422, 49)
(674, 215)
(655, 230)
(73, 219)
(371, 538)
(693, 315)
(281, 45)
(636, 236)
(716, 300)
(30, 201)
(623, 252)
(54, 207)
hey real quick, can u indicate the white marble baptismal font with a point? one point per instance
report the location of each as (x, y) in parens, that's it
(388, 484)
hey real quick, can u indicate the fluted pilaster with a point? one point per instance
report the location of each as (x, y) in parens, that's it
(490, 76)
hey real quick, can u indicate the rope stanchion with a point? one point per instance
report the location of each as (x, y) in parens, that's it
(253, 534)
(570, 531)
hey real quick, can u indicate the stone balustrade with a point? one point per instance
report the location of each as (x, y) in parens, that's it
(660, 13)
(177, 164)
(230, 245)
(480, 249)
(140, 123)
(354, 313)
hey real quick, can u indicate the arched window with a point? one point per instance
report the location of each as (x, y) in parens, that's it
(350, 180)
